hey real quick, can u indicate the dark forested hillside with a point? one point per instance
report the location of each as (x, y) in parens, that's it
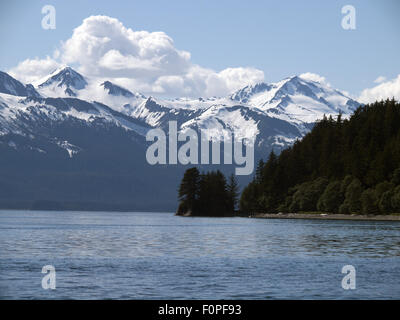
(341, 166)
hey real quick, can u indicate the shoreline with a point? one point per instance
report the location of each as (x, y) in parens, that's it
(317, 216)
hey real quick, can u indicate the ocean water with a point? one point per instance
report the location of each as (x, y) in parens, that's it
(114, 255)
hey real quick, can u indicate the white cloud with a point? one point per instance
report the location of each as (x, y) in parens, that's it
(102, 47)
(236, 77)
(380, 79)
(384, 90)
(314, 77)
(31, 70)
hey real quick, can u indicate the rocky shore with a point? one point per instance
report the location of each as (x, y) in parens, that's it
(323, 216)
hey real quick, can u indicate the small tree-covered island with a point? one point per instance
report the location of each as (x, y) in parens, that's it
(207, 194)
(343, 166)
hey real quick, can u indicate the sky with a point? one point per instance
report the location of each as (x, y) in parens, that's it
(193, 48)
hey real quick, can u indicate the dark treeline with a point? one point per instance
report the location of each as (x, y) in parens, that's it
(341, 166)
(207, 194)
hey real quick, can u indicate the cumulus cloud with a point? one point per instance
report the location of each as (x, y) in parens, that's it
(384, 90)
(32, 70)
(236, 77)
(102, 47)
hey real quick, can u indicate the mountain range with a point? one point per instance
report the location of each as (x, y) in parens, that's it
(71, 142)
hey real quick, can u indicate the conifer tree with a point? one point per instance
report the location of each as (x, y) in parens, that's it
(188, 191)
(233, 193)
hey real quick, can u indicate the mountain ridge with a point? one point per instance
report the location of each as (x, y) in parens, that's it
(79, 129)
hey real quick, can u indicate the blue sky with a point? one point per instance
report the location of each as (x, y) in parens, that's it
(281, 38)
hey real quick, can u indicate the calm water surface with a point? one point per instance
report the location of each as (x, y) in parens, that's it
(111, 255)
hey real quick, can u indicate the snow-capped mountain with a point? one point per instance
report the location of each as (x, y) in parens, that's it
(23, 115)
(214, 119)
(12, 86)
(62, 82)
(296, 99)
(297, 102)
(80, 127)
(277, 113)
(116, 90)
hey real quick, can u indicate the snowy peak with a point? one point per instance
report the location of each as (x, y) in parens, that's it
(12, 86)
(298, 86)
(63, 81)
(115, 90)
(277, 113)
(243, 95)
(25, 115)
(296, 99)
